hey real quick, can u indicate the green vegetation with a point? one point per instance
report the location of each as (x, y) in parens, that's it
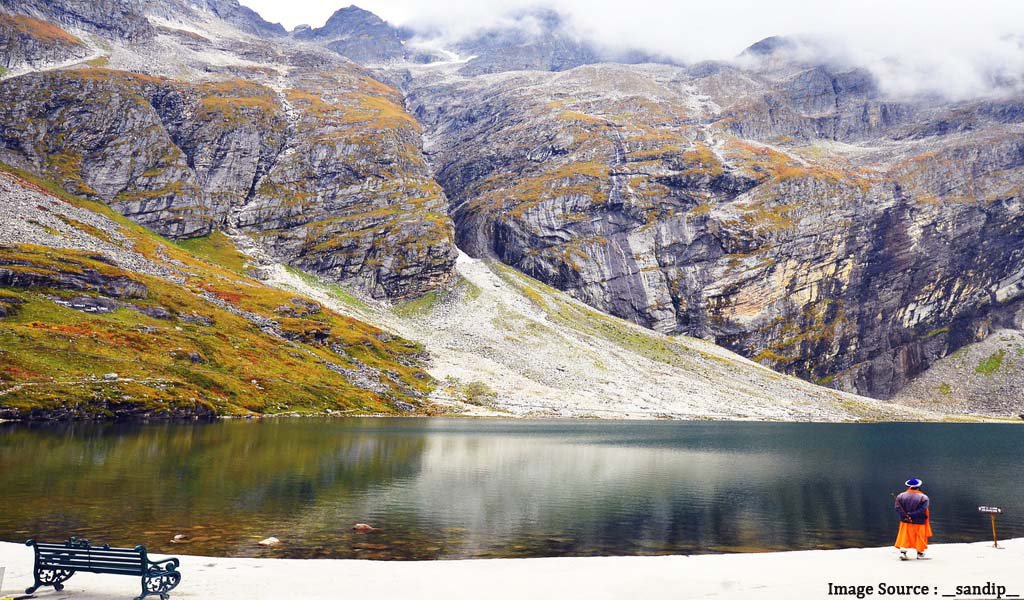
(991, 364)
(183, 348)
(478, 393)
(945, 389)
(3, 72)
(418, 307)
(470, 289)
(237, 103)
(336, 291)
(218, 249)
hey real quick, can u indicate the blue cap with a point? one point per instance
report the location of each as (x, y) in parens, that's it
(914, 482)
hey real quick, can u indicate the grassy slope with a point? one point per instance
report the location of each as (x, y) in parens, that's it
(52, 359)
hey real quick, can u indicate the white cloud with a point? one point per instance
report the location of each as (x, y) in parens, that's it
(913, 45)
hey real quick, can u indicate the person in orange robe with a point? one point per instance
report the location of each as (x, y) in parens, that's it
(915, 520)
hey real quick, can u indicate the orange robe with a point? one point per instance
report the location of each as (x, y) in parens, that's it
(915, 536)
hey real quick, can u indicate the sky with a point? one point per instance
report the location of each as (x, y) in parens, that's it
(914, 46)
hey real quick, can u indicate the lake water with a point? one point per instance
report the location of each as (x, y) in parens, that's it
(464, 488)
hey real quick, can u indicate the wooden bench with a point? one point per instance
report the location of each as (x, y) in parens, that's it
(56, 563)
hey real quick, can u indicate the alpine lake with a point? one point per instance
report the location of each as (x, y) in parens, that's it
(475, 488)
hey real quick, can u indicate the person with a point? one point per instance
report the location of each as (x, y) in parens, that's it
(915, 520)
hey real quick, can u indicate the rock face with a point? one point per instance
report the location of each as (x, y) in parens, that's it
(123, 19)
(322, 164)
(240, 16)
(25, 40)
(96, 133)
(789, 214)
(358, 35)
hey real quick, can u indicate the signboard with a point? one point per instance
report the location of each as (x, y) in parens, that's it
(990, 510)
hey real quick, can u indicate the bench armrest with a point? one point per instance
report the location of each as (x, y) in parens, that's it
(171, 563)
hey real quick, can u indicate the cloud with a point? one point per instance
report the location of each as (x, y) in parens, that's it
(913, 46)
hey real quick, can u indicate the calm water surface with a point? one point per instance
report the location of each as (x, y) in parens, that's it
(459, 488)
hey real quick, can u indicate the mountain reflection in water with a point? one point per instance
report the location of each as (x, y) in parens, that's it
(453, 488)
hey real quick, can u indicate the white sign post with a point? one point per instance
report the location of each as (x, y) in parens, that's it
(992, 511)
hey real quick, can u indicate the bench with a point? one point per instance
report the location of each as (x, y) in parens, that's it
(56, 563)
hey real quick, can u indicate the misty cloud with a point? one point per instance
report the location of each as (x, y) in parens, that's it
(913, 47)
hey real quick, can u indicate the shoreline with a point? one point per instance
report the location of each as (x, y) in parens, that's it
(949, 419)
(773, 575)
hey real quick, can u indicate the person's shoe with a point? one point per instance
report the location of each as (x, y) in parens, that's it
(903, 555)
(921, 556)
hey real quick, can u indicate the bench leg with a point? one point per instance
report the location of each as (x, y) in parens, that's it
(159, 584)
(52, 577)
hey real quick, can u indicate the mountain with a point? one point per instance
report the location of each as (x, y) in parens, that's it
(780, 206)
(306, 151)
(359, 35)
(536, 39)
(800, 219)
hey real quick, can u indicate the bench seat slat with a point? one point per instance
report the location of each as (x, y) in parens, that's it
(93, 567)
(117, 556)
(125, 557)
(116, 571)
(83, 563)
(114, 559)
(66, 549)
(59, 547)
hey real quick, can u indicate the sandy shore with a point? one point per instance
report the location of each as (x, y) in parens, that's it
(784, 575)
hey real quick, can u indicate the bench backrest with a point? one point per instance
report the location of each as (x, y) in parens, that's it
(117, 561)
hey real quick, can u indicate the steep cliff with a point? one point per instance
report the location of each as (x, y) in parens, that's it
(791, 215)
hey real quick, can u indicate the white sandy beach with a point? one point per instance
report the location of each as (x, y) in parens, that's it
(784, 575)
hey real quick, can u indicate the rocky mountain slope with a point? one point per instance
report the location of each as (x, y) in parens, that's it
(100, 317)
(186, 133)
(985, 377)
(785, 209)
(27, 42)
(789, 213)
